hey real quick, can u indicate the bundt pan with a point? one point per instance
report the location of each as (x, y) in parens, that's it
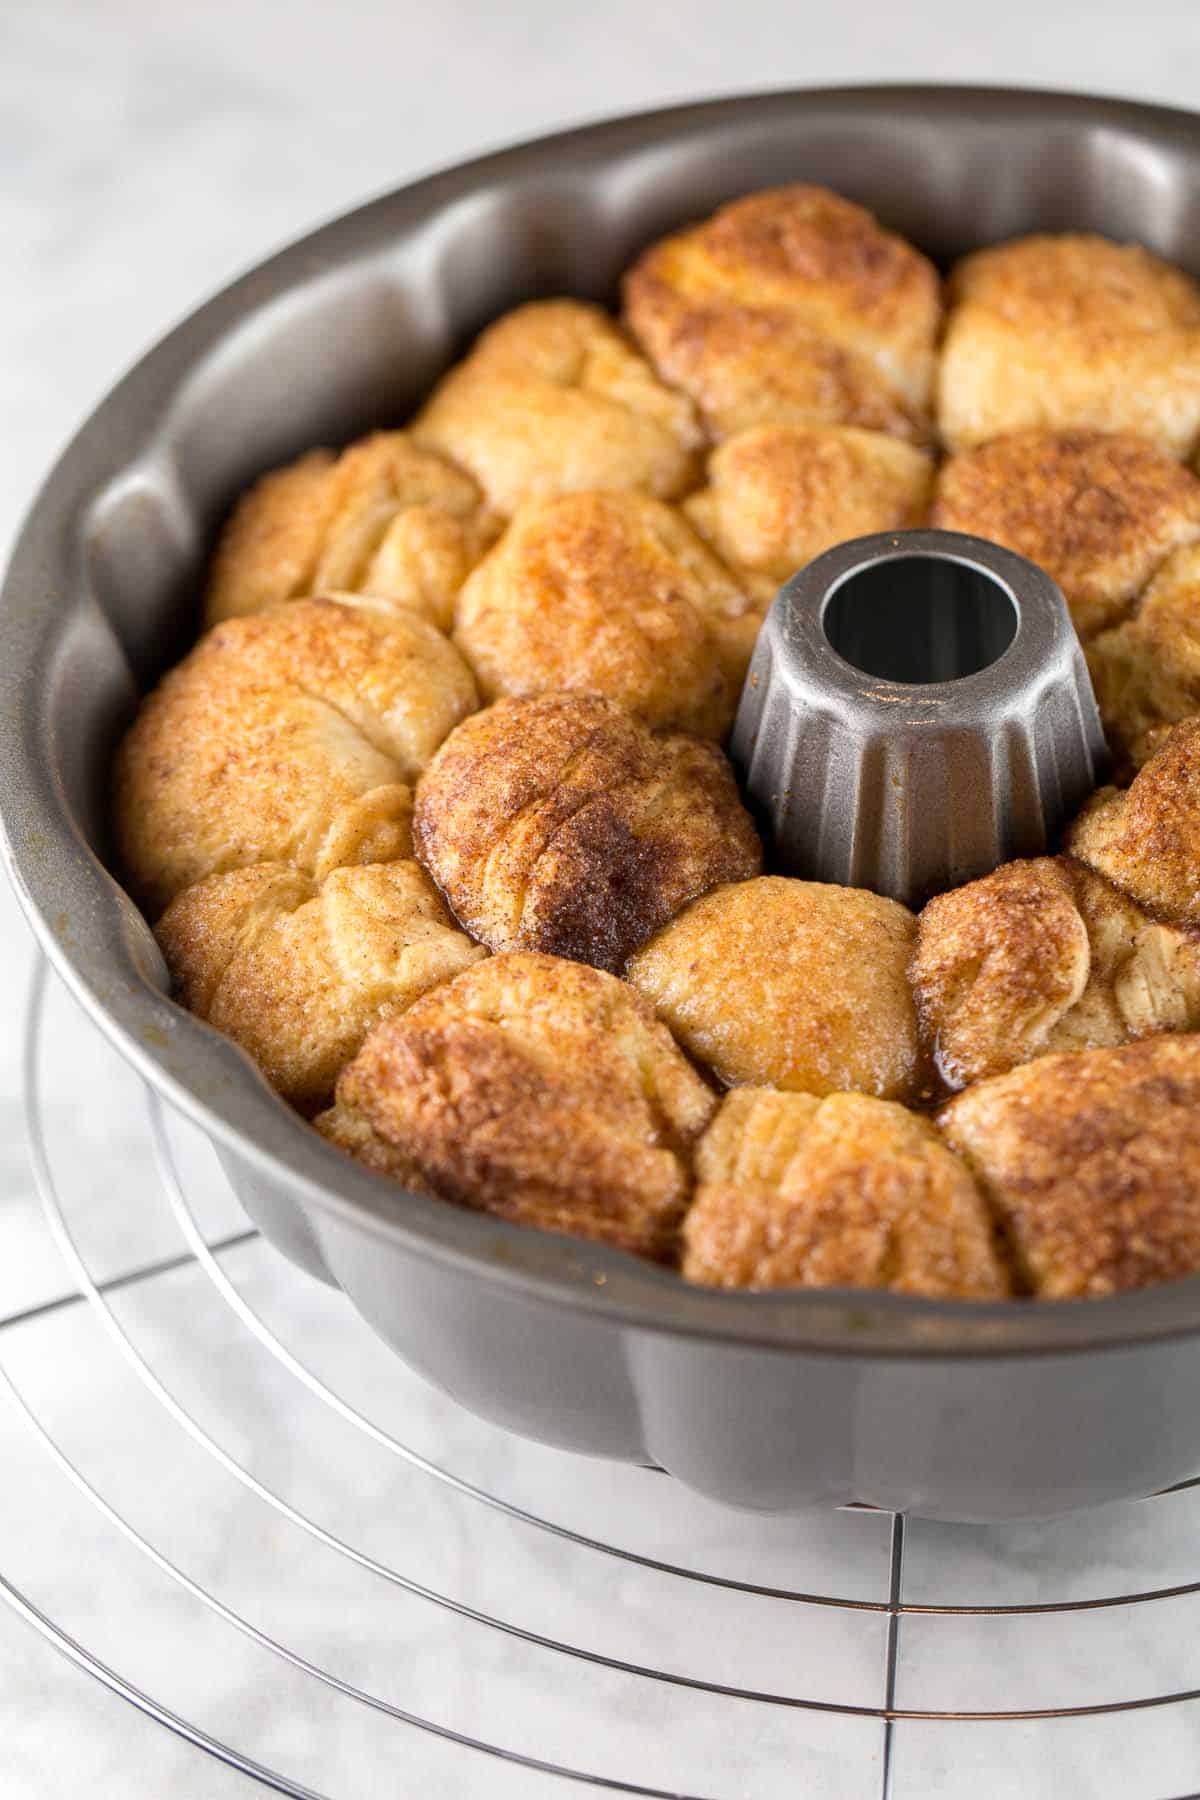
(775, 1401)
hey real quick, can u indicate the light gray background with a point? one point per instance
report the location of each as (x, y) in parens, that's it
(150, 151)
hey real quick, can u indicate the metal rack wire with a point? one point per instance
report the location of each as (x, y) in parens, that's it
(361, 1573)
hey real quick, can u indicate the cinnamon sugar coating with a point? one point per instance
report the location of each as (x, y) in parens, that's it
(290, 735)
(554, 399)
(1071, 332)
(384, 518)
(778, 495)
(537, 1090)
(790, 984)
(1146, 671)
(298, 972)
(846, 1191)
(791, 306)
(1092, 1164)
(563, 824)
(1098, 512)
(1045, 956)
(610, 594)
(1146, 838)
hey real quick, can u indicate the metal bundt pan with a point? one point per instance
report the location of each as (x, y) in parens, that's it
(778, 1401)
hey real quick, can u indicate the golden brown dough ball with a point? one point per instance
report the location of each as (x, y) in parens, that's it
(1147, 670)
(562, 824)
(535, 1089)
(778, 495)
(791, 307)
(299, 973)
(383, 518)
(1062, 333)
(1092, 1163)
(1146, 839)
(286, 736)
(554, 399)
(350, 1132)
(1046, 956)
(1098, 513)
(610, 594)
(841, 1192)
(790, 984)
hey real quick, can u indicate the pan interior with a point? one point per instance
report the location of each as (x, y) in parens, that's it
(348, 329)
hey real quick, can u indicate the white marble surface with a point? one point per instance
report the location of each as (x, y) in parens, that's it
(147, 153)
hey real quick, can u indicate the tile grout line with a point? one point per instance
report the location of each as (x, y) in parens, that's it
(892, 1653)
(166, 1265)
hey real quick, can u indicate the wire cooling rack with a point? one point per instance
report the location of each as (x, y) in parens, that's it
(226, 1500)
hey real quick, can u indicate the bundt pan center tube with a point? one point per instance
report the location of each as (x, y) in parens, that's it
(967, 1410)
(917, 711)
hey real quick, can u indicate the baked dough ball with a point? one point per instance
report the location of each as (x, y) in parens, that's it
(791, 307)
(790, 984)
(552, 399)
(298, 973)
(1098, 512)
(383, 518)
(610, 594)
(1068, 332)
(535, 1089)
(1147, 670)
(778, 495)
(1044, 956)
(562, 824)
(286, 736)
(1146, 839)
(841, 1192)
(1092, 1163)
